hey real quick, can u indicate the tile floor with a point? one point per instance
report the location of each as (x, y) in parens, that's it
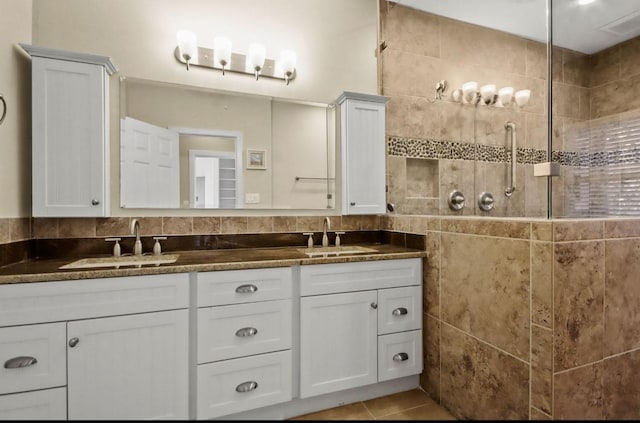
(409, 405)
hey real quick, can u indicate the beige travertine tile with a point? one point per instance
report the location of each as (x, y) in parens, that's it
(410, 30)
(402, 223)
(45, 227)
(419, 225)
(537, 131)
(605, 66)
(539, 415)
(347, 223)
(542, 283)
(456, 124)
(614, 97)
(394, 403)
(430, 411)
(76, 227)
(557, 71)
(369, 222)
(484, 285)
(541, 231)
(259, 224)
(284, 223)
(396, 79)
(20, 229)
(621, 228)
(5, 231)
(578, 303)
(536, 60)
(386, 222)
(150, 225)
(177, 225)
(576, 68)
(456, 175)
(431, 275)
(578, 230)
(541, 368)
(113, 226)
(405, 116)
(621, 386)
(630, 57)
(622, 296)
(577, 394)
(206, 225)
(233, 224)
(566, 100)
(505, 228)
(480, 382)
(355, 411)
(430, 377)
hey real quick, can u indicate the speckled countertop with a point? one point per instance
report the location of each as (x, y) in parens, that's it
(41, 270)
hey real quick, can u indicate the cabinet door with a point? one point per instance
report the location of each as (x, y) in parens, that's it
(129, 367)
(338, 342)
(363, 156)
(70, 172)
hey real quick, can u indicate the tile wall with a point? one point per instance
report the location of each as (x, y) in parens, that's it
(530, 319)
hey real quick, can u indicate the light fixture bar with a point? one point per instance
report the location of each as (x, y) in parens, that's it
(238, 64)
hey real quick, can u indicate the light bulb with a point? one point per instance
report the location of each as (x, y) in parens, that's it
(256, 57)
(188, 45)
(488, 93)
(221, 52)
(288, 63)
(505, 95)
(469, 90)
(522, 97)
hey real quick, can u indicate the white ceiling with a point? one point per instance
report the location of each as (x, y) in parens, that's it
(587, 29)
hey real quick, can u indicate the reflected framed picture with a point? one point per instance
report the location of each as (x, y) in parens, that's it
(256, 159)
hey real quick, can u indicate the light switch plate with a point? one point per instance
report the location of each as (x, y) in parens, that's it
(252, 198)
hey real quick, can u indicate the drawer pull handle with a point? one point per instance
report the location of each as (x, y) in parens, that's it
(246, 332)
(246, 289)
(17, 362)
(401, 357)
(400, 311)
(247, 387)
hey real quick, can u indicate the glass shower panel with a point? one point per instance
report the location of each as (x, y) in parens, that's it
(596, 108)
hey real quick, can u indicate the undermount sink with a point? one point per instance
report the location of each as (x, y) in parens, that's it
(335, 250)
(122, 261)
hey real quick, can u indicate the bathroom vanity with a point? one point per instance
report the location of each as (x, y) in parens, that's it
(203, 338)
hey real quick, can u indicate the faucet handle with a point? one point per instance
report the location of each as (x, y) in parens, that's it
(157, 249)
(338, 233)
(310, 240)
(116, 246)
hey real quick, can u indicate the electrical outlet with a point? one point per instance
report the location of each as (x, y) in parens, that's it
(252, 198)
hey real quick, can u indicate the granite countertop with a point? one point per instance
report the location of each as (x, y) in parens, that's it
(41, 270)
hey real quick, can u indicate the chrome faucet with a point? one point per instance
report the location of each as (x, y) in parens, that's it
(325, 226)
(135, 229)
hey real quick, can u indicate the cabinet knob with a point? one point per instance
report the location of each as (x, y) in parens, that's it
(374, 305)
(401, 357)
(246, 332)
(246, 289)
(400, 311)
(17, 362)
(247, 386)
(73, 342)
(353, 203)
(95, 202)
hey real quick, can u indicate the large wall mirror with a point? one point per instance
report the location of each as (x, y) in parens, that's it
(188, 147)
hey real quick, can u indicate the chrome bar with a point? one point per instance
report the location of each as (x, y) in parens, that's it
(514, 158)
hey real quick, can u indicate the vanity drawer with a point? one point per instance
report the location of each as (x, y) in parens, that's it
(41, 349)
(358, 276)
(399, 355)
(243, 329)
(25, 303)
(47, 404)
(226, 387)
(399, 309)
(242, 286)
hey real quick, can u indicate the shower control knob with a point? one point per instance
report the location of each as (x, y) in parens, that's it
(485, 201)
(456, 200)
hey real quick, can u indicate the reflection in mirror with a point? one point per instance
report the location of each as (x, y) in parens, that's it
(186, 147)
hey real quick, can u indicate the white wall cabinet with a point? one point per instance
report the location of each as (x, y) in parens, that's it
(351, 337)
(70, 132)
(101, 349)
(362, 140)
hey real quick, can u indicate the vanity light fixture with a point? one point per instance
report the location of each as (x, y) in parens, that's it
(522, 97)
(488, 94)
(222, 57)
(505, 95)
(470, 91)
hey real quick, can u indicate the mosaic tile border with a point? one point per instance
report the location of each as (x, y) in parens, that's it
(436, 149)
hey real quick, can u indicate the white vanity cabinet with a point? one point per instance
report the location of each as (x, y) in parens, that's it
(244, 338)
(362, 140)
(70, 132)
(96, 349)
(360, 323)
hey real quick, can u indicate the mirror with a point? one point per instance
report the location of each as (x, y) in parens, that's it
(188, 147)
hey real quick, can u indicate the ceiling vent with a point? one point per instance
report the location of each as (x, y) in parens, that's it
(627, 26)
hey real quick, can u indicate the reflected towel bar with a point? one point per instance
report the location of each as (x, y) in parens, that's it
(317, 179)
